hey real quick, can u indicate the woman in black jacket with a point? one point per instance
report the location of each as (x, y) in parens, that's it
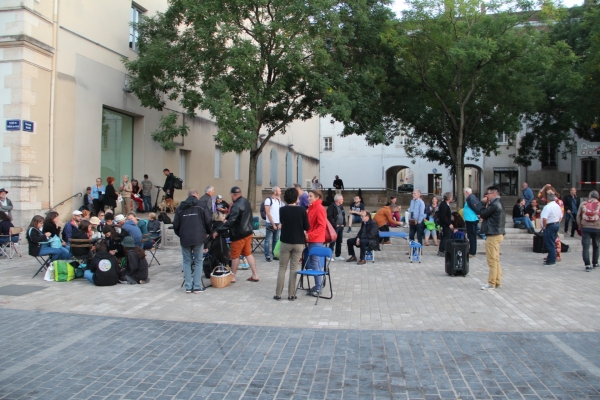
(111, 196)
(38, 241)
(294, 222)
(137, 265)
(52, 224)
(5, 225)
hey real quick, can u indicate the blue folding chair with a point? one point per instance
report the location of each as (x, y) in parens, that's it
(325, 254)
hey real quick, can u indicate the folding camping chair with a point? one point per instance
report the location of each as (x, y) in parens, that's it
(325, 254)
(147, 238)
(44, 261)
(85, 244)
(9, 248)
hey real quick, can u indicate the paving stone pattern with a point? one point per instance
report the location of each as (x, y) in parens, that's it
(63, 356)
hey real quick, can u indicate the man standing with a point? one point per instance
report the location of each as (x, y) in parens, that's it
(588, 218)
(147, 193)
(338, 184)
(192, 225)
(273, 229)
(571, 202)
(527, 194)
(5, 204)
(470, 212)
(72, 225)
(551, 216)
(494, 219)
(355, 216)
(207, 200)
(302, 196)
(445, 217)
(239, 223)
(169, 186)
(336, 217)
(416, 213)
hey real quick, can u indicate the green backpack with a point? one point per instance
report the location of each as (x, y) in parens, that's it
(63, 271)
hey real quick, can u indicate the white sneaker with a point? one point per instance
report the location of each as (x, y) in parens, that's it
(331, 259)
(340, 258)
(487, 286)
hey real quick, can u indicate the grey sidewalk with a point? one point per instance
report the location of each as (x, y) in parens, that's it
(61, 356)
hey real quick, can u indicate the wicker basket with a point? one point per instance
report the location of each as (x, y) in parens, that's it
(221, 281)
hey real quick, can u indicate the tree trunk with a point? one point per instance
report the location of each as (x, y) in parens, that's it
(252, 178)
(460, 178)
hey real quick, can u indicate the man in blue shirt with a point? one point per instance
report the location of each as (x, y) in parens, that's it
(416, 215)
(302, 196)
(527, 194)
(131, 227)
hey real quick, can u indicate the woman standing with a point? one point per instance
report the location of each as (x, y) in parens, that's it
(315, 236)
(430, 228)
(126, 190)
(111, 196)
(98, 192)
(37, 238)
(294, 222)
(136, 196)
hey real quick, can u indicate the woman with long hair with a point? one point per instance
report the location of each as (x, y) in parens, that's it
(38, 241)
(315, 236)
(111, 196)
(136, 196)
(430, 228)
(294, 222)
(5, 225)
(137, 265)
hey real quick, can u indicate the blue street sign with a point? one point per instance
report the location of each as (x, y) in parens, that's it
(13, 124)
(28, 126)
(434, 170)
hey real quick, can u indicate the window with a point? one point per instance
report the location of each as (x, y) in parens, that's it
(184, 157)
(548, 157)
(217, 162)
(273, 171)
(328, 144)
(136, 13)
(299, 166)
(502, 138)
(289, 159)
(116, 156)
(400, 141)
(237, 166)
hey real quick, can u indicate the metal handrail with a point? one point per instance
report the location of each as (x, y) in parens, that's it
(64, 201)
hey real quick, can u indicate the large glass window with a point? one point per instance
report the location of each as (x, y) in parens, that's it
(133, 32)
(117, 145)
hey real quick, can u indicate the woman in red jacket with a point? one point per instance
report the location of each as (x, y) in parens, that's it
(315, 236)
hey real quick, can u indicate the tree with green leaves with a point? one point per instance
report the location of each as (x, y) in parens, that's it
(455, 73)
(255, 65)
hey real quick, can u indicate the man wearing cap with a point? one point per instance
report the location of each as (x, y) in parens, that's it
(239, 222)
(72, 225)
(192, 223)
(5, 204)
(221, 205)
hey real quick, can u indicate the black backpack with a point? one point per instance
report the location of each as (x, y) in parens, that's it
(164, 218)
(177, 183)
(263, 212)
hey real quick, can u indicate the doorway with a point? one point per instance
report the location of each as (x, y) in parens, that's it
(116, 157)
(506, 179)
(434, 184)
(589, 170)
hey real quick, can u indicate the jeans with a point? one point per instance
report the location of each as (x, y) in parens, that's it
(472, 236)
(427, 233)
(57, 254)
(89, 275)
(573, 218)
(338, 243)
(147, 203)
(314, 263)
(594, 238)
(271, 239)
(525, 220)
(492, 252)
(550, 233)
(187, 266)
(418, 228)
(290, 253)
(14, 239)
(363, 248)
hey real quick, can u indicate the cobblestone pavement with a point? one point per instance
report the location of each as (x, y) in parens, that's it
(393, 330)
(60, 356)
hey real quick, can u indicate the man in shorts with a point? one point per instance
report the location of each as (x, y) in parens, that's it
(239, 223)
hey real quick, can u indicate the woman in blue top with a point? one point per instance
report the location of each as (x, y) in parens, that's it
(98, 191)
(470, 212)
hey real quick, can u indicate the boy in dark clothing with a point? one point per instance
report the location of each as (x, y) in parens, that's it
(103, 269)
(367, 237)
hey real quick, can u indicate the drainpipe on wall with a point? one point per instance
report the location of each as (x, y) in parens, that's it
(52, 104)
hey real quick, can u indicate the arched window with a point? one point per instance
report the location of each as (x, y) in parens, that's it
(299, 170)
(273, 168)
(289, 161)
(259, 170)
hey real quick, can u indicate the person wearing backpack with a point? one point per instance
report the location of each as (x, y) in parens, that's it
(588, 218)
(272, 205)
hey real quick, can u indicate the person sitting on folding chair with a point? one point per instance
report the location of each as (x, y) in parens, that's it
(38, 241)
(5, 225)
(366, 238)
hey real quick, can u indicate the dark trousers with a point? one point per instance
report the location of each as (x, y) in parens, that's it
(446, 235)
(573, 218)
(98, 206)
(384, 228)
(352, 243)
(550, 233)
(594, 239)
(472, 236)
(418, 229)
(338, 243)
